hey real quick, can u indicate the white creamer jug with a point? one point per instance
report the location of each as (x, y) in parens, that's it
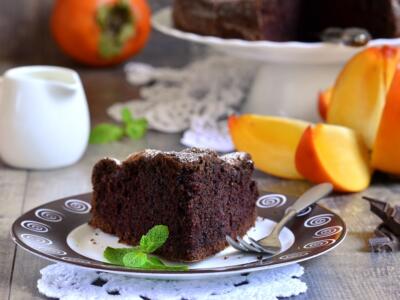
(44, 117)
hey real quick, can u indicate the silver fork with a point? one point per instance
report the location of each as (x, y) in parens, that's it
(271, 244)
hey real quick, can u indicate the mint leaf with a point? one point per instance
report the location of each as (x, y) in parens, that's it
(140, 260)
(135, 259)
(136, 129)
(155, 263)
(126, 115)
(115, 255)
(154, 239)
(105, 133)
(138, 257)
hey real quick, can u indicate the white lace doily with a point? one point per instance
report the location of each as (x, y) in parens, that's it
(195, 99)
(67, 283)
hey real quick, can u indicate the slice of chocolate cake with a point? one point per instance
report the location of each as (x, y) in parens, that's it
(199, 195)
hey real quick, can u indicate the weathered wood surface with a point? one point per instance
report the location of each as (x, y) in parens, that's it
(348, 272)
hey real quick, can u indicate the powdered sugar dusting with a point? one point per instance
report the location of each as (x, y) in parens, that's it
(193, 155)
(235, 157)
(189, 155)
(117, 161)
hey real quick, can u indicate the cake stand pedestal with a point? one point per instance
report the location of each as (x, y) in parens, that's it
(291, 73)
(289, 89)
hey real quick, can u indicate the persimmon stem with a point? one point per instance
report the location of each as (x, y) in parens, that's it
(117, 25)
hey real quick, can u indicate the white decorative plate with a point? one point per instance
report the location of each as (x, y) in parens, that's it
(58, 231)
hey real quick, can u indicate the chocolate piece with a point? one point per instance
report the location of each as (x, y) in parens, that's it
(389, 215)
(384, 240)
(381, 244)
(378, 207)
(387, 234)
(200, 196)
(383, 231)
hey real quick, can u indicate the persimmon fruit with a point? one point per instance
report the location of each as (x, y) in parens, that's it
(101, 32)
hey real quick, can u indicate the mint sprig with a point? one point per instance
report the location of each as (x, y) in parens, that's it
(154, 239)
(115, 256)
(107, 133)
(140, 257)
(135, 259)
(134, 128)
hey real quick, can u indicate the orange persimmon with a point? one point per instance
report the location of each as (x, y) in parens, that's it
(324, 99)
(335, 154)
(386, 150)
(101, 32)
(271, 141)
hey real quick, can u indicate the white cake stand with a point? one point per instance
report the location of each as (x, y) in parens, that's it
(291, 73)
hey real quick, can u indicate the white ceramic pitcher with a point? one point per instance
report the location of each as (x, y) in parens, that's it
(44, 117)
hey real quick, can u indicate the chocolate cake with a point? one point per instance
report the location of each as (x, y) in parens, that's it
(200, 196)
(286, 20)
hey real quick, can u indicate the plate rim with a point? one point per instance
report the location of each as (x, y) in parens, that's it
(236, 269)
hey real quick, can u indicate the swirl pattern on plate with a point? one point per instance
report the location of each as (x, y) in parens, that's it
(49, 215)
(52, 251)
(328, 231)
(318, 244)
(305, 211)
(77, 206)
(33, 239)
(319, 220)
(273, 200)
(35, 226)
(293, 255)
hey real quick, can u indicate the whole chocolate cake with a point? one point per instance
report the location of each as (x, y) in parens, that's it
(286, 20)
(200, 196)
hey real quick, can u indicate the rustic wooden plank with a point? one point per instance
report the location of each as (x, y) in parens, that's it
(25, 33)
(42, 187)
(12, 189)
(353, 275)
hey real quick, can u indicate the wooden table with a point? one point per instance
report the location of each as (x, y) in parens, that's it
(348, 272)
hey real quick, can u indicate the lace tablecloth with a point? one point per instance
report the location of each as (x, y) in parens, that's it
(66, 282)
(195, 100)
